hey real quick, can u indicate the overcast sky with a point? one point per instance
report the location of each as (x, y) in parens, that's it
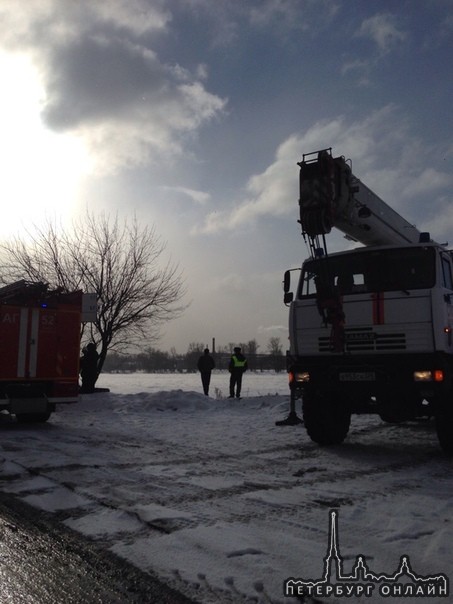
(193, 114)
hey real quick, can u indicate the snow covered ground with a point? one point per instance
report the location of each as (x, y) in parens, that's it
(222, 504)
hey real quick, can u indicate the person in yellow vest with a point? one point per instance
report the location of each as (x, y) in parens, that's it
(237, 367)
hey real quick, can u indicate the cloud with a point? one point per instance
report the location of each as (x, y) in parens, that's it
(43, 23)
(383, 30)
(385, 156)
(276, 11)
(104, 81)
(277, 18)
(199, 197)
(440, 223)
(272, 328)
(229, 284)
(137, 16)
(428, 181)
(272, 192)
(280, 15)
(354, 65)
(446, 28)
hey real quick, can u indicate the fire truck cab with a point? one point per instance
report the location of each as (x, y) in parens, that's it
(39, 349)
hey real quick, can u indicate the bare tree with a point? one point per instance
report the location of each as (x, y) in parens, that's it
(120, 262)
(250, 348)
(194, 352)
(274, 347)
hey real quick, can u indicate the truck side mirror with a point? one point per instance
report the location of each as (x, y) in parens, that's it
(286, 281)
(288, 297)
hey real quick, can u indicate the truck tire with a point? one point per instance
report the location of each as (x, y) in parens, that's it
(398, 408)
(327, 418)
(33, 418)
(393, 414)
(444, 424)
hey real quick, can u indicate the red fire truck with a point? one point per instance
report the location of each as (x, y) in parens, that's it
(40, 349)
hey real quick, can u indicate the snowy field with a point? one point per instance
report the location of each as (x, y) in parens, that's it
(254, 384)
(223, 505)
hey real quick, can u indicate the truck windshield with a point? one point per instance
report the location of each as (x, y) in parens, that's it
(371, 271)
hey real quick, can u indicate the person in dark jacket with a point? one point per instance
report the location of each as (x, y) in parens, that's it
(205, 365)
(237, 367)
(89, 368)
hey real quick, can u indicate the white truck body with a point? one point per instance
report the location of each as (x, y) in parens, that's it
(370, 329)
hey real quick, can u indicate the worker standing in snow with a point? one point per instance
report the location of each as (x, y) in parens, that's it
(89, 368)
(237, 367)
(205, 365)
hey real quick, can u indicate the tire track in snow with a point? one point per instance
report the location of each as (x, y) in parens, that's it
(178, 490)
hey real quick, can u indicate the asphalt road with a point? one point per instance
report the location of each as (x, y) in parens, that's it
(42, 562)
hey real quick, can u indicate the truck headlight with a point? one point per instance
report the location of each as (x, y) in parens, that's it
(436, 375)
(300, 377)
(423, 376)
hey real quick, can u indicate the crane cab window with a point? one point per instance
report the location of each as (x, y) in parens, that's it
(446, 273)
(349, 281)
(399, 269)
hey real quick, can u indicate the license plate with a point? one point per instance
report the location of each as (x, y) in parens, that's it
(360, 337)
(357, 376)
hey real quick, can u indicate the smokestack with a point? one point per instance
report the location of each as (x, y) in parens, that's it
(213, 345)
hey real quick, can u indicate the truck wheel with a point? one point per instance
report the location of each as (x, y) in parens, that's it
(398, 408)
(326, 417)
(392, 416)
(444, 424)
(33, 418)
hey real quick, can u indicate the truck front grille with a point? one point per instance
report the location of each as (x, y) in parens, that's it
(365, 340)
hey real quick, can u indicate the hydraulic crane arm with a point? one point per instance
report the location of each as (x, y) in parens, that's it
(331, 196)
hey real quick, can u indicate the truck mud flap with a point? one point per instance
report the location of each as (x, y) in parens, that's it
(26, 399)
(21, 406)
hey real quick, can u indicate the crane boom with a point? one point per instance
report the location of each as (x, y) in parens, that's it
(331, 196)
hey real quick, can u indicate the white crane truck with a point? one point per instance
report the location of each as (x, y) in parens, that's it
(370, 329)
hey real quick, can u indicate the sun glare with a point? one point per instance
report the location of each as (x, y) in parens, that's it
(41, 170)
